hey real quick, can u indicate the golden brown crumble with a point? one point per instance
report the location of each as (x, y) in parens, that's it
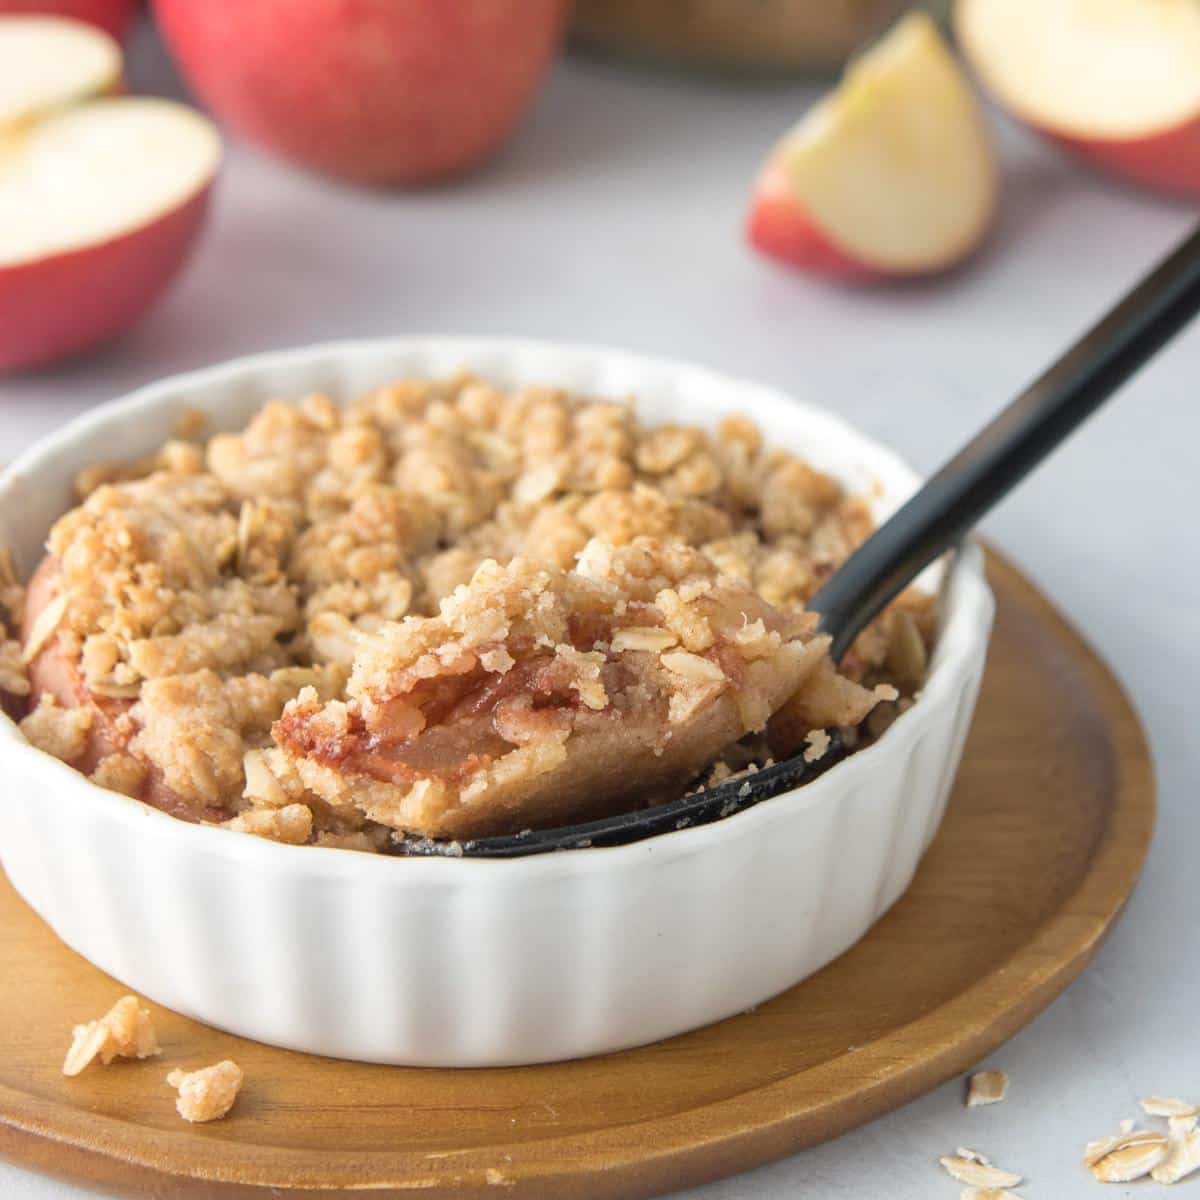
(60, 731)
(125, 1031)
(299, 564)
(14, 681)
(207, 1094)
(541, 694)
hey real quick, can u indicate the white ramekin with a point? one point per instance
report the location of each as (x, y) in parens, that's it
(471, 962)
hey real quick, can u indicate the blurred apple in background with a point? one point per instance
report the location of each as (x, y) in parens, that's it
(113, 16)
(100, 198)
(1115, 81)
(379, 91)
(890, 175)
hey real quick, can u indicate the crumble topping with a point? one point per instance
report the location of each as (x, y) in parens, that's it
(207, 1094)
(325, 568)
(125, 1031)
(521, 697)
(59, 731)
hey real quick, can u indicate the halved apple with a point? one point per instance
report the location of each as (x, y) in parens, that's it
(890, 175)
(1115, 81)
(47, 63)
(113, 16)
(99, 205)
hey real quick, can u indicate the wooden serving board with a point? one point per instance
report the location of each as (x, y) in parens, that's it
(1046, 832)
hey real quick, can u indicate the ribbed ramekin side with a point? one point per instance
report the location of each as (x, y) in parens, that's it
(514, 970)
(924, 786)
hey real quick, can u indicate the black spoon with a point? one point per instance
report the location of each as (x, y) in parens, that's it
(933, 521)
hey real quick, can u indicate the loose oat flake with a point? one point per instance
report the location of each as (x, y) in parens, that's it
(124, 1031)
(979, 1174)
(986, 1087)
(1183, 1156)
(972, 1193)
(1126, 1157)
(971, 1155)
(1166, 1106)
(207, 1094)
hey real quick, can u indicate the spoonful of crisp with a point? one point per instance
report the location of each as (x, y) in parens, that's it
(420, 742)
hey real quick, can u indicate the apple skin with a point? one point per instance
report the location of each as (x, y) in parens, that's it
(67, 302)
(1167, 161)
(374, 91)
(781, 229)
(113, 16)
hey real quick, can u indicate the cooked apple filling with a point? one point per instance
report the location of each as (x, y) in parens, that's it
(542, 696)
(443, 609)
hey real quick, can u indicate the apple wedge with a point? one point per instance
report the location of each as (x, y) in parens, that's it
(890, 175)
(1115, 81)
(99, 205)
(48, 63)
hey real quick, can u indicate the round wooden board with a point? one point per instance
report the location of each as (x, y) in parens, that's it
(1045, 834)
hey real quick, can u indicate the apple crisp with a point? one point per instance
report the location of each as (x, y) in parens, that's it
(443, 609)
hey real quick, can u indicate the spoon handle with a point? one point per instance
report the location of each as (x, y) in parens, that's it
(1008, 448)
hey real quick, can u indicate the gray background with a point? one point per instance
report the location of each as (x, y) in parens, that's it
(615, 218)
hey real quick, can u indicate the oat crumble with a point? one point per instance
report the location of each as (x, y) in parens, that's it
(288, 630)
(125, 1031)
(207, 1094)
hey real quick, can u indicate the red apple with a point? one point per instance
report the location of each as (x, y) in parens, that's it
(1115, 81)
(99, 205)
(890, 175)
(48, 63)
(113, 16)
(380, 91)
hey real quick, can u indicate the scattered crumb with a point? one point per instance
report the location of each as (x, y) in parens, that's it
(207, 1094)
(816, 743)
(972, 1193)
(986, 1087)
(124, 1031)
(979, 1174)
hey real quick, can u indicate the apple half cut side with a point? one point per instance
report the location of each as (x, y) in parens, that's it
(48, 63)
(890, 175)
(113, 16)
(1115, 81)
(99, 206)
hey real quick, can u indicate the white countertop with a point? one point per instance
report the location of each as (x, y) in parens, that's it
(615, 218)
